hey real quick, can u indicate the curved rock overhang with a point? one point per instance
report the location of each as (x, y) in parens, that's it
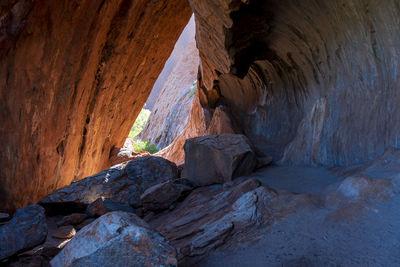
(73, 77)
(313, 82)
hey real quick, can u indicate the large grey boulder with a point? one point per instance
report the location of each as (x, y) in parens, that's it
(216, 159)
(122, 183)
(117, 239)
(27, 229)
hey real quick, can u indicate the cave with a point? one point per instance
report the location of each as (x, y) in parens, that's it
(277, 132)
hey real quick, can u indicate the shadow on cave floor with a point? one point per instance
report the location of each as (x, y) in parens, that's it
(307, 239)
(302, 180)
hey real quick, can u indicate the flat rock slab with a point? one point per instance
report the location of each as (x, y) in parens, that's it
(217, 159)
(117, 239)
(121, 183)
(65, 232)
(25, 230)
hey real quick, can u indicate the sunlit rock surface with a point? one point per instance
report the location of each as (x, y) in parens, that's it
(172, 108)
(73, 77)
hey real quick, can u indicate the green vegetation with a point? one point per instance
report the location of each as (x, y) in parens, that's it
(141, 145)
(193, 89)
(140, 122)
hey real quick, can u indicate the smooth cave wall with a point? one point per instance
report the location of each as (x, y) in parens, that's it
(74, 74)
(311, 82)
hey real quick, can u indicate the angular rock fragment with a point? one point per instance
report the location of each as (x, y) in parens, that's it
(117, 239)
(102, 206)
(161, 196)
(122, 183)
(217, 159)
(65, 232)
(25, 230)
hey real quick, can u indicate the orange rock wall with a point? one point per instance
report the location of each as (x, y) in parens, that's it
(73, 77)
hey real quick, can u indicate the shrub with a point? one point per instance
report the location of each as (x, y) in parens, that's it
(141, 145)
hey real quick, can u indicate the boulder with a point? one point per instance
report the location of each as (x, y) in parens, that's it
(74, 219)
(27, 229)
(161, 196)
(122, 183)
(65, 232)
(117, 239)
(217, 158)
(101, 206)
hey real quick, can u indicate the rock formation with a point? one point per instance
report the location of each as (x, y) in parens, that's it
(117, 239)
(184, 40)
(195, 126)
(73, 77)
(172, 108)
(26, 230)
(312, 82)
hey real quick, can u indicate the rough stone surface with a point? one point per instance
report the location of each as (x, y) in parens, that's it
(102, 206)
(161, 196)
(309, 88)
(172, 109)
(26, 229)
(117, 239)
(213, 215)
(184, 40)
(74, 75)
(196, 126)
(65, 232)
(122, 183)
(217, 159)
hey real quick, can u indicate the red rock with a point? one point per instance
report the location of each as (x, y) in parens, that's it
(74, 76)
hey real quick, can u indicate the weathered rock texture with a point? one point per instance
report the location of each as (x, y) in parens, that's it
(73, 77)
(184, 40)
(216, 159)
(117, 239)
(171, 111)
(195, 126)
(27, 229)
(320, 80)
(122, 183)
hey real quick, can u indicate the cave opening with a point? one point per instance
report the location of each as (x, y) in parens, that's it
(166, 111)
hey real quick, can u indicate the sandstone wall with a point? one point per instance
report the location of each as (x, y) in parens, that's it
(73, 77)
(321, 78)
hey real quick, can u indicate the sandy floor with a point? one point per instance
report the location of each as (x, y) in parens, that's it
(309, 238)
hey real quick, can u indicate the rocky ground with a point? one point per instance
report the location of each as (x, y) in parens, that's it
(239, 210)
